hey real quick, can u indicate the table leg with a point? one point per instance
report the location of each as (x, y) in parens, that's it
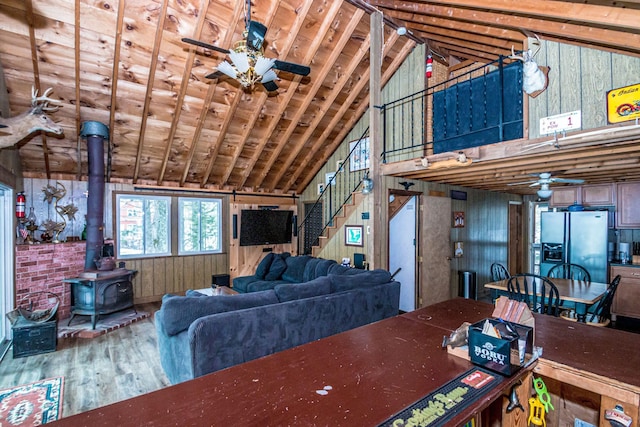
(581, 312)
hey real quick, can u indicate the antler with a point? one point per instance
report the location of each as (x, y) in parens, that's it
(41, 103)
(514, 56)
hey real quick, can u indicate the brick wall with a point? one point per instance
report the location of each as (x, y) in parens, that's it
(43, 267)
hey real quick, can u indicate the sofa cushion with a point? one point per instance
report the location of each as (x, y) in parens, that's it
(241, 283)
(313, 288)
(345, 282)
(322, 269)
(337, 269)
(278, 266)
(310, 269)
(180, 312)
(295, 268)
(263, 267)
(263, 285)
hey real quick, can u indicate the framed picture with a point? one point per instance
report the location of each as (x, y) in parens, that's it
(320, 188)
(458, 219)
(359, 155)
(458, 249)
(329, 178)
(353, 235)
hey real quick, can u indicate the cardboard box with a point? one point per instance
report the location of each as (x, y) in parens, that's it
(505, 355)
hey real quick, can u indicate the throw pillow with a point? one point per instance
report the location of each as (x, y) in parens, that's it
(295, 268)
(263, 267)
(293, 291)
(345, 282)
(278, 266)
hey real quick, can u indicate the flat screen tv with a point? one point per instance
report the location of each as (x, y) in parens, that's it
(265, 227)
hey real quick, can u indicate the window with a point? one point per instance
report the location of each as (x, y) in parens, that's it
(200, 229)
(143, 225)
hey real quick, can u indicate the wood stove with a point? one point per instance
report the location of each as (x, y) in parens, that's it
(101, 292)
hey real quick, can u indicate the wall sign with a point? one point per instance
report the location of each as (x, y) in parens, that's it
(561, 122)
(623, 104)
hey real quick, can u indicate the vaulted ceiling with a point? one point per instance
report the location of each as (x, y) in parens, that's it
(123, 63)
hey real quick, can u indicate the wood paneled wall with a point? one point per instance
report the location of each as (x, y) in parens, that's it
(578, 80)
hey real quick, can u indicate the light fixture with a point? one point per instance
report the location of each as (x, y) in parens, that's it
(248, 66)
(544, 192)
(367, 184)
(401, 31)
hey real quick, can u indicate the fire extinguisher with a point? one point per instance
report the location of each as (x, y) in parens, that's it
(20, 205)
(429, 66)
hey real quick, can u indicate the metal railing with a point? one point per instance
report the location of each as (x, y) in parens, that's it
(335, 194)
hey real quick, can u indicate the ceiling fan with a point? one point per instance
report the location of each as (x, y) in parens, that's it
(544, 180)
(248, 64)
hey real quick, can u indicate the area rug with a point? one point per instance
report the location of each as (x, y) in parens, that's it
(81, 325)
(32, 404)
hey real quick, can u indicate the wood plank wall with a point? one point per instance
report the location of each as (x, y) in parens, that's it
(578, 80)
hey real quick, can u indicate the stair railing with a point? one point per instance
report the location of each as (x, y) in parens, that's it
(337, 192)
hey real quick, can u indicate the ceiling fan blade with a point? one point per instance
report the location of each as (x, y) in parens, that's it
(270, 86)
(255, 35)
(292, 68)
(522, 183)
(568, 181)
(205, 45)
(214, 75)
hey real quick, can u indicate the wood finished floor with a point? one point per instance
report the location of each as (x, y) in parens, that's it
(119, 365)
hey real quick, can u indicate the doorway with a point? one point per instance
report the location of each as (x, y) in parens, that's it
(7, 242)
(403, 249)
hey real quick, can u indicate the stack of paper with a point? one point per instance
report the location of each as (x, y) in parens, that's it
(513, 311)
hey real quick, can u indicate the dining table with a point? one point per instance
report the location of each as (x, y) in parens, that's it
(574, 293)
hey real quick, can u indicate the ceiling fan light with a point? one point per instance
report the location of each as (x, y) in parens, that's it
(240, 60)
(269, 76)
(263, 65)
(545, 194)
(226, 68)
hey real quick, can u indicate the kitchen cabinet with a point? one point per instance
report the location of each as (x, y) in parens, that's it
(565, 196)
(626, 301)
(587, 195)
(628, 206)
(598, 195)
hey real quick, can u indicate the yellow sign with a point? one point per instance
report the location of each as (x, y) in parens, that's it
(623, 104)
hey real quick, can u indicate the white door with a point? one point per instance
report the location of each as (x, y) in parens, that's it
(402, 252)
(7, 242)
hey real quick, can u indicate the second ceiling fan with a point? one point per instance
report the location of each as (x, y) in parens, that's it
(544, 179)
(248, 64)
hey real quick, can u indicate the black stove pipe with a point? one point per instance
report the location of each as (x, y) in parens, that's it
(95, 133)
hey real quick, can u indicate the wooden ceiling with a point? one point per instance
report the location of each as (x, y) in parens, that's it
(122, 62)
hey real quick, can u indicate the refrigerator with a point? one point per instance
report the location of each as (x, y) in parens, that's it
(576, 238)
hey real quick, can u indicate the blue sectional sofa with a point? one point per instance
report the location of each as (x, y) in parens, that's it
(276, 269)
(200, 334)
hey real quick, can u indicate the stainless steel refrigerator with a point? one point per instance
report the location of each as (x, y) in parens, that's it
(577, 238)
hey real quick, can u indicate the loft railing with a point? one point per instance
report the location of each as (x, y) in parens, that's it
(477, 107)
(335, 194)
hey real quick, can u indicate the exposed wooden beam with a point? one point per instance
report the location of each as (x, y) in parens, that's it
(149, 92)
(77, 78)
(352, 24)
(186, 78)
(113, 105)
(293, 85)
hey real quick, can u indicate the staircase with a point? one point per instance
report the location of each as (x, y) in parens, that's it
(338, 221)
(337, 201)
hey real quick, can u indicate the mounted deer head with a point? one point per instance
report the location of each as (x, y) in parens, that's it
(533, 78)
(35, 119)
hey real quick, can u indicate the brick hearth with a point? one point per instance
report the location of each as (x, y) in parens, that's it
(42, 267)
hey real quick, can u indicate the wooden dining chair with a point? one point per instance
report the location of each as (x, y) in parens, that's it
(538, 292)
(569, 271)
(599, 314)
(499, 272)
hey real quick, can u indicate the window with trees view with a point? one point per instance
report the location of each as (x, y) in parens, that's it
(199, 226)
(144, 224)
